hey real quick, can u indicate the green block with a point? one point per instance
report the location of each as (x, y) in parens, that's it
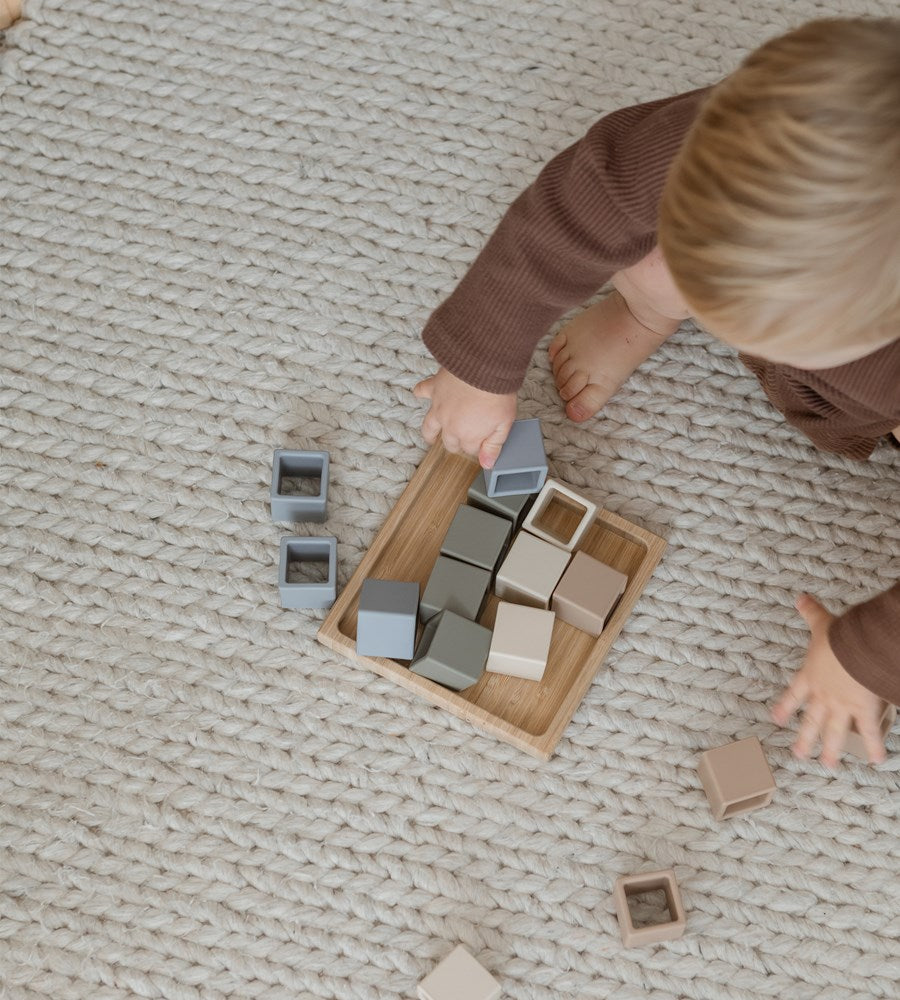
(456, 586)
(476, 537)
(452, 651)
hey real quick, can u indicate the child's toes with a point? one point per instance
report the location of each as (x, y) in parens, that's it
(557, 344)
(570, 387)
(586, 403)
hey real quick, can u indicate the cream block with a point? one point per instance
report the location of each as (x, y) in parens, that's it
(459, 977)
(521, 641)
(560, 515)
(530, 572)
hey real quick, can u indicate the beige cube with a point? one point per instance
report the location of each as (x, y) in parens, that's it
(736, 778)
(588, 593)
(530, 572)
(560, 516)
(634, 885)
(459, 977)
(854, 743)
(520, 643)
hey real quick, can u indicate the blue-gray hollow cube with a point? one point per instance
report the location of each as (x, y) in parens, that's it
(386, 622)
(477, 537)
(307, 572)
(513, 507)
(521, 466)
(453, 651)
(457, 586)
(291, 472)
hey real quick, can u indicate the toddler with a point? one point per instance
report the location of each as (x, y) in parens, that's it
(767, 208)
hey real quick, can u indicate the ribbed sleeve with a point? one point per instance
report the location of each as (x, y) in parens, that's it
(591, 212)
(866, 639)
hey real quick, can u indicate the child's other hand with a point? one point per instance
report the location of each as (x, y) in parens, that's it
(467, 419)
(833, 698)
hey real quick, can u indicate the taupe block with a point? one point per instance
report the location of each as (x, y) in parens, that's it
(477, 537)
(634, 885)
(588, 593)
(459, 977)
(560, 515)
(854, 743)
(531, 571)
(452, 651)
(456, 586)
(521, 641)
(513, 507)
(736, 778)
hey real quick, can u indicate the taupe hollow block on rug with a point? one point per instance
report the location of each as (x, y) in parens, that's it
(635, 934)
(588, 593)
(530, 572)
(737, 778)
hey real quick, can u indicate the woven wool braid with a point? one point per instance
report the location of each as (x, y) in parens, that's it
(222, 227)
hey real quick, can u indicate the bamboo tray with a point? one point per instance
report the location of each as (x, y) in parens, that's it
(529, 714)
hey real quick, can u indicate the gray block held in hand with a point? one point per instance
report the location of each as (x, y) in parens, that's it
(386, 620)
(452, 651)
(513, 507)
(476, 537)
(457, 586)
(521, 466)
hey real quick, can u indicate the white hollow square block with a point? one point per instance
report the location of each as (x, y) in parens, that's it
(530, 572)
(521, 641)
(459, 977)
(560, 515)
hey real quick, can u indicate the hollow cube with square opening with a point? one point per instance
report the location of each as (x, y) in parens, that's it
(736, 778)
(521, 466)
(298, 558)
(513, 507)
(530, 572)
(560, 515)
(521, 641)
(387, 617)
(459, 977)
(305, 468)
(452, 651)
(629, 886)
(476, 537)
(588, 593)
(457, 586)
(854, 744)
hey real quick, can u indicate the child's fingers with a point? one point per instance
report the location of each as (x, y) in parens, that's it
(451, 443)
(423, 389)
(431, 427)
(834, 736)
(791, 700)
(815, 616)
(813, 723)
(490, 447)
(872, 740)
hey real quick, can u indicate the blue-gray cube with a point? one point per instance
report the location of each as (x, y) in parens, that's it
(477, 537)
(514, 507)
(521, 466)
(386, 621)
(305, 591)
(309, 467)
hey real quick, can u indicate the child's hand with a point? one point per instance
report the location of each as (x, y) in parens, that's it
(467, 419)
(832, 697)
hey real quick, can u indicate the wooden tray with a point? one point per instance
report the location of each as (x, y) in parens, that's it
(529, 714)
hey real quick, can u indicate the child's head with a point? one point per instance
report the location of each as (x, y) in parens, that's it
(780, 218)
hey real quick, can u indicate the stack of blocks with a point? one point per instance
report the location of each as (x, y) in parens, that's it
(298, 554)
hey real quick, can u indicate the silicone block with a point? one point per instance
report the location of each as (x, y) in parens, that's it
(476, 537)
(521, 466)
(854, 745)
(521, 641)
(299, 465)
(457, 586)
(459, 977)
(588, 593)
(634, 885)
(573, 515)
(530, 572)
(736, 778)
(386, 623)
(452, 651)
(513, 507)
(307, 593)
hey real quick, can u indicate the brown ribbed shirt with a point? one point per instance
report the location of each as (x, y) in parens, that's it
(592, 211)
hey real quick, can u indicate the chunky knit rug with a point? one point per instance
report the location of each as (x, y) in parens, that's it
(222, 226)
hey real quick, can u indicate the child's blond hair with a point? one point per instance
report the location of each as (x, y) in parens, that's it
(780, 218)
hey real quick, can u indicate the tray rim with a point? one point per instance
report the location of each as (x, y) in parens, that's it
(540, 745)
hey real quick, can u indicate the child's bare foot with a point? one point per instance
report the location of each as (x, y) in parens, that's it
(596, 352)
